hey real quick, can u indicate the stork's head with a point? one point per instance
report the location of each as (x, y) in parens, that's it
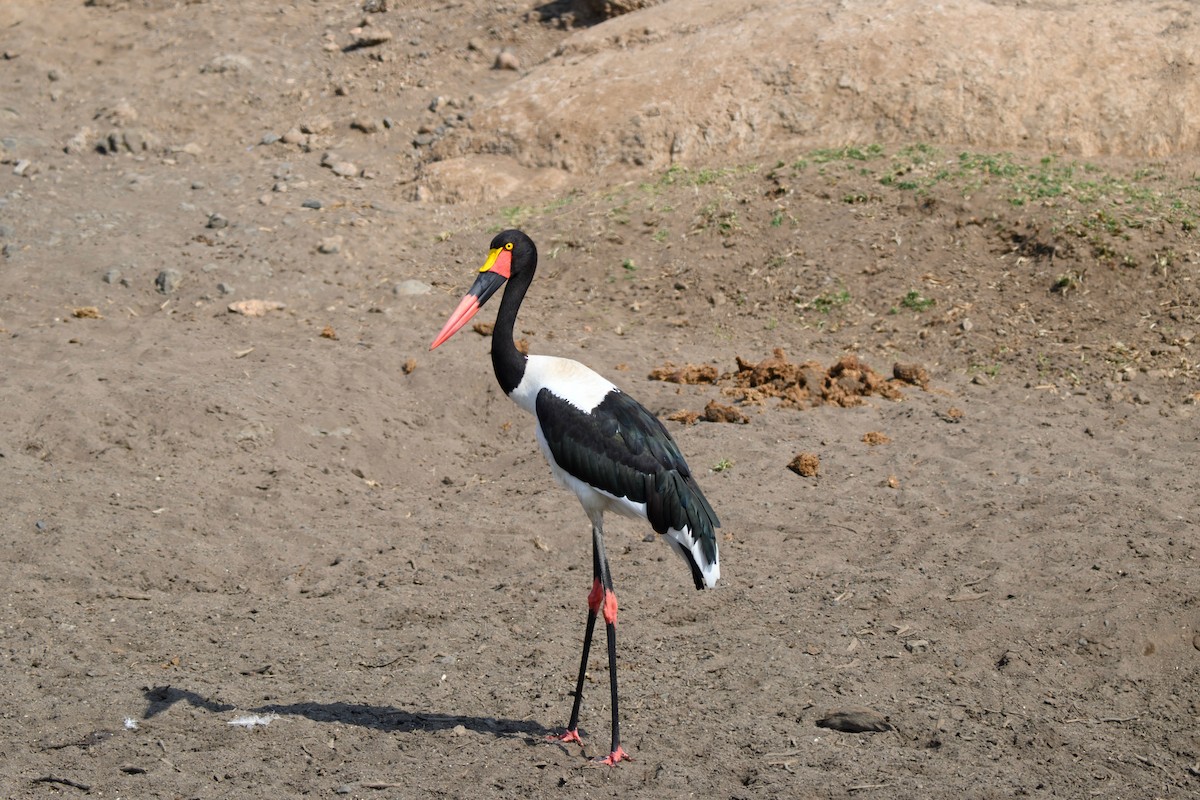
(512, 253)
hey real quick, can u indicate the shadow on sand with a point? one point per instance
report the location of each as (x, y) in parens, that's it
(385, 718)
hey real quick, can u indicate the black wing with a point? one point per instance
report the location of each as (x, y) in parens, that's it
(623, 449)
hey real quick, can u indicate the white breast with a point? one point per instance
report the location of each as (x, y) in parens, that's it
(570, 380)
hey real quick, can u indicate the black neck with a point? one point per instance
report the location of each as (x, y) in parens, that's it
(507, 360)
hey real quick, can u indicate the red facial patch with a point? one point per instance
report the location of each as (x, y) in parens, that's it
(503, 265)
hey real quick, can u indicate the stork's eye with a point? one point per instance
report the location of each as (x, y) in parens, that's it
(508, 245)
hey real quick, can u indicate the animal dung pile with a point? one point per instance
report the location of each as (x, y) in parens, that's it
(846, 383)
(806, 465)
(688, 374)
(713, 412)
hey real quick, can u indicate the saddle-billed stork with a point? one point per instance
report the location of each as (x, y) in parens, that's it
(601, 444)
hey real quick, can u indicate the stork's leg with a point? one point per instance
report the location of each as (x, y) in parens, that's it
(607, 602)
(571, 734)
(600, 598)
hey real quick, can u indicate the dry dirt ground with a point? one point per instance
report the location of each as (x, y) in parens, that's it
(307, 520)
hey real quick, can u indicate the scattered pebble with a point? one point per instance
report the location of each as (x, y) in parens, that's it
(365, 125)
(167, 281)
(224, 288)
(369, 38)
(112, 276)
(345, 169)
(916, 645)
(230, 62)
(313, 204)
(271, 138)
(80, 142)
(251, 720)
(317, 125)
(255, 308)
(506, 59)
(120, 115)
(855, 720)
(409, 288)
(216, 221)
(330, 245)
(294, 136)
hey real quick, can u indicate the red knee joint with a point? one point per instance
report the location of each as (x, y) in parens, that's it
(602, 600)
(596, 596)
(610, 607)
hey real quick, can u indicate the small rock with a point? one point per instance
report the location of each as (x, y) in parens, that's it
(411, 288)
(217, 221)
(375, 6)
(167, 281)
(230, 62)
(271, 138)
(370, 38)
(80, 142)
(506, 59)
(22, 167)
(423, 194)
(317, 125)
(135, 141)
(423, 140)
(330, 245)
(475, 45)
(345, 169)
(855, 720)
(198, 185)
(313, 204)
(294, 136)
(224, 288)
(916, 645)
(365, 125)
(112, 276)
(54, 74)
(254, 308)
(119, 115)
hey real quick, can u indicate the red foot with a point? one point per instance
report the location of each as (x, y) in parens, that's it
(613, 758)
(565, 736)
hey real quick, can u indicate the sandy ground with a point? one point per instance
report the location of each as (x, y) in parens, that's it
(306, 520)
